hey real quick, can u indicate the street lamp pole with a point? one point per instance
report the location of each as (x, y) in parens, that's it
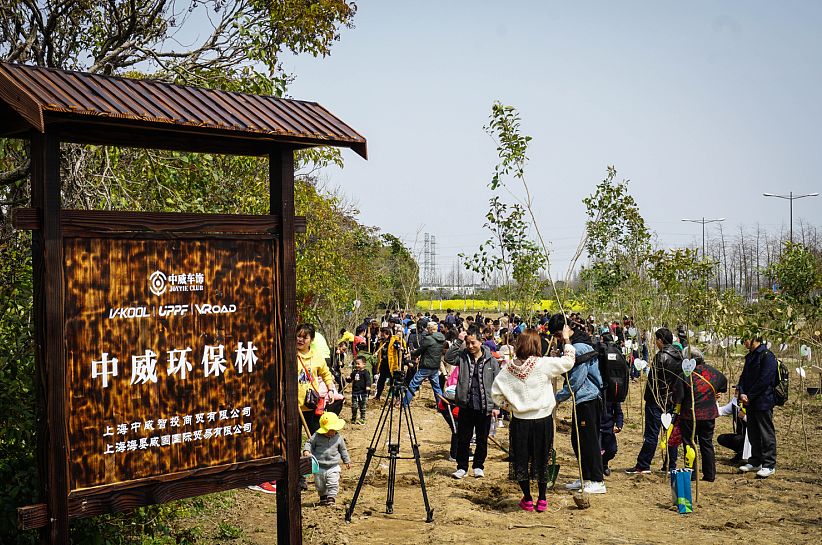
(703, 221)
(790, 197)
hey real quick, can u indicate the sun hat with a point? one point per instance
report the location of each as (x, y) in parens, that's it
(330, 421)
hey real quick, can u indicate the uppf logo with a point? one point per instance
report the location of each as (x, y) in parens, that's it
(157, 283)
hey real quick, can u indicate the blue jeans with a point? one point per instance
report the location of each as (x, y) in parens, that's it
(653, 421)
(432, 375)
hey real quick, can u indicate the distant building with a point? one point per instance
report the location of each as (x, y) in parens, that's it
(446, 292)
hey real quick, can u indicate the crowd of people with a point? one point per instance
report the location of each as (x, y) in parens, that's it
(487, 373)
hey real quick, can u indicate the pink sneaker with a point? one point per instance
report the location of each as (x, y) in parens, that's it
(526, 505)
(542, 505)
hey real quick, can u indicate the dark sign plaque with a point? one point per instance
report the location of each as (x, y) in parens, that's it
(171, 356)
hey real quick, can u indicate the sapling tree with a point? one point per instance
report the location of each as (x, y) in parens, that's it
(509, 251)
(617, 242)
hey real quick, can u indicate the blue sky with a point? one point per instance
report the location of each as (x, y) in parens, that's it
(702, 105)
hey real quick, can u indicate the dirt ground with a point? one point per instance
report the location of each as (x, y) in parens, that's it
(786, 508)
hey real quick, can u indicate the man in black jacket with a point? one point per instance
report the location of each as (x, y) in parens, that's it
(664, 390)
(430, 353)
(756, 395)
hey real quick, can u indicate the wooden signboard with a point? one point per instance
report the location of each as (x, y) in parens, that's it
(170, 355)
(164, 342)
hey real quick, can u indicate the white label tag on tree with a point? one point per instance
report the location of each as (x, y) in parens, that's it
(804, 350)
(666, 420)
(640, 364)
(688, 366)
(801, 371)
(632, 331)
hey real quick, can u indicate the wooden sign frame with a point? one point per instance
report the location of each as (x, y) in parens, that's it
(49, 107)
(51, 225)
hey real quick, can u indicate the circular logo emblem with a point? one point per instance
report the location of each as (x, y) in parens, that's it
(157, 283)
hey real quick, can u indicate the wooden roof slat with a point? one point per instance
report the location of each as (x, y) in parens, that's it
(38, 95)
(127, 101)
(264, 119)
(221, 108)
(307, 119)
(179, 106)
(146, 100)
(20, 100)
(320, 120)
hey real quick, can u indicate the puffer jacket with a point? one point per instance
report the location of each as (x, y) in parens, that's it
(707, 383)
(430, 350)
(394, 355)
(459, 356)
(665, 386)
(585, 378)
(758, 378)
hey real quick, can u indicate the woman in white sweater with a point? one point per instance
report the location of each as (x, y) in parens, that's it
(524, 388)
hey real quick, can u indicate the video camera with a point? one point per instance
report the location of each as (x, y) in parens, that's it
(398, 383)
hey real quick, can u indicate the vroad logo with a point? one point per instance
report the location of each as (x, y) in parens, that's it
(157, 283)
(169, 310)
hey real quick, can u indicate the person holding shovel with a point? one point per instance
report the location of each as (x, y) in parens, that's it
(524, 388)
(583, 386)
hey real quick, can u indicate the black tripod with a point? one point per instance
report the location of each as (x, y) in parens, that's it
(396, 393)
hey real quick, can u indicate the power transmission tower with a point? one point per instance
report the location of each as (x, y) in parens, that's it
(434, 275)
(426, 261)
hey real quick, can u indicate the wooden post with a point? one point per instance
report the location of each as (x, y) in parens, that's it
(47, 247)
(281, 183)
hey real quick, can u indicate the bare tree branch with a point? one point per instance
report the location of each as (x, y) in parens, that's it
(13, 176)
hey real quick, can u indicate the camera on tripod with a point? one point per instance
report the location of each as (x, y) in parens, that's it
(397, 383)
(395, 423)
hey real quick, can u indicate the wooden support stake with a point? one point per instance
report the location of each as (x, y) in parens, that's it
(47, 249)
(281, 183)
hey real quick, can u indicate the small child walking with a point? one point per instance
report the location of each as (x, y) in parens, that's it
(610, 425)
(328, 447)
(360, 380)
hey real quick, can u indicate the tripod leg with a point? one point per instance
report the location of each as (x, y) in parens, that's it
(393, 450)
(415, 447)
(385, 414)
(429, 512)
(360, 482)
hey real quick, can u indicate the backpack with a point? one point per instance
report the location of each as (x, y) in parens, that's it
(613, 368)
(781, 383)
(615, 373)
